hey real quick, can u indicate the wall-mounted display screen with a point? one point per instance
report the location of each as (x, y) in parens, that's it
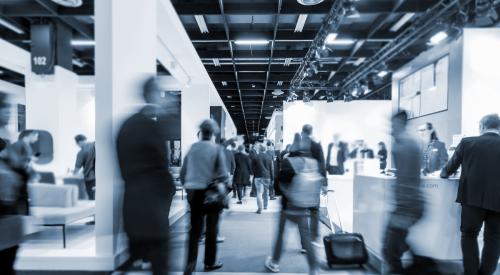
(425, 91)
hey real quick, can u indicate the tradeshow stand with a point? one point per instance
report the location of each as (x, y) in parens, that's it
(436, 235)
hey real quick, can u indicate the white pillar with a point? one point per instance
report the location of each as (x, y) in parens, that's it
(51, 106)
(195, 100)
(125, 53)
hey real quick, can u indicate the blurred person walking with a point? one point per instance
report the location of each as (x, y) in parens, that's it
(252, 153)
(382, 156)
(408, 199)
(203, 168)
(242, 172)
(263, 170)
(479, 195)
(149, 186)
(86, 159)
(229, 148)
(300, 182)
(12, 188)
(313, 149)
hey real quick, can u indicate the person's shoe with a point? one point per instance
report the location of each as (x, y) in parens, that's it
(220, 239)
(265, 208)
(259, 211)
(202, 240)
(239, 202)
(303, 251)
(213, 267)
(273, 267)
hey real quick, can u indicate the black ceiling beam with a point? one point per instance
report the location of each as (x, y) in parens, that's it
(292, 7)
(31, 9)
(274, 68)
(278, 53)
(288, 35)
(83, 29)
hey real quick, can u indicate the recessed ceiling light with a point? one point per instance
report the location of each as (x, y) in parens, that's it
(271, 106)
(287, 61)
(277, 92)
(202, 25)
(229, 96)
(252, 42)
(82, 42)
(267, 117)
(382, 74)
(301, 21)
(438, 37)
(253, 85)
(232, 106)
(11, 26)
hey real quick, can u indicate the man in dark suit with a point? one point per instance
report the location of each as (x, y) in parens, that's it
(479, 194)
(242, 172)
(337, 155)
(149, 187)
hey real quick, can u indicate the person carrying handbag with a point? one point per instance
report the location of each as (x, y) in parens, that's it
(205, 177)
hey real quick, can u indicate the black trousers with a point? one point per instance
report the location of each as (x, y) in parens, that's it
(154, 251)
(395, 246)
(199, 214)
(90, 187)
(473, 219)
(7, 259)
(239, 190)
(335, 170)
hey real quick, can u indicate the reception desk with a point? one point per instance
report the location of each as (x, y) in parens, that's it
(436, 235)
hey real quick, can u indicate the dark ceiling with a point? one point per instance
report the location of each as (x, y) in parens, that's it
(247, 75)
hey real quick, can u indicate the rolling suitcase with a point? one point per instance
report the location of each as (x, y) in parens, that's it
(344, 248)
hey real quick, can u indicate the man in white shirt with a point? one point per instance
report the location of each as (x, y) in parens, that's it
(337, 155)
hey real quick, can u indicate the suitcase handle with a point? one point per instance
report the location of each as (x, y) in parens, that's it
(338, 213)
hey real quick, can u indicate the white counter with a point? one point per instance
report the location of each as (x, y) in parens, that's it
(342, 185)
(436, 235)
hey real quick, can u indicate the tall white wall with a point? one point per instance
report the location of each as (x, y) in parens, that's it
(362, 119)
(481, 77)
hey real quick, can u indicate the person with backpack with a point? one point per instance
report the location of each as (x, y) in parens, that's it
(301, 182)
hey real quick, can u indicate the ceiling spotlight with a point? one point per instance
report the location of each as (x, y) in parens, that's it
(277, 92)
(253, 85)
(279, 83)
(350, 9)
(382, 74)
(68, 3)
(251, 42)
(438, 38)
(306, 98)
(216, 62)
(229, 97)
(309, 2)
(287, 62)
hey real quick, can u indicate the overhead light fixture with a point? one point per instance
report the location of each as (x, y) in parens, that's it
(78, 62)
(267, 117)
(224, 83)
(332, 73)
(402, 21)
(68, 3)
(306, 98)
(277, 92)
(342, 42)
(251, 42)
(359, 61)
(229, 96)
(279, 83)
(287, 61)
(331, 37)
(200, 20)
(216, 62)
(85, 43)
(350, 9)
(271, 106)
(438, 38)
(322, 52)
(329, 97)
(301, 21)
(309, 2)
(382, 74)
(11, 26)
(232, 106)
(253, 85)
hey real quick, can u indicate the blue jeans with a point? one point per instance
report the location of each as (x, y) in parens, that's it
(262, 186)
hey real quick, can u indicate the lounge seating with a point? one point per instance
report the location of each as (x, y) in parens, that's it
(58, 205)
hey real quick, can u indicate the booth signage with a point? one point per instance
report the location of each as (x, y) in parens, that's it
(43, 48)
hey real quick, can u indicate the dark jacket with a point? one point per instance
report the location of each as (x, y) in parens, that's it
(480, 176)
(243, 169)
(342, 155)
(230, 164)
(364, 153)
(382, 156)
(149, 187)
(316, 152)
(434, 157)
(262, 166)
(408, 197)
(86, 159)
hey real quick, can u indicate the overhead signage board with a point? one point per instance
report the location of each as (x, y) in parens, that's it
(43, 49)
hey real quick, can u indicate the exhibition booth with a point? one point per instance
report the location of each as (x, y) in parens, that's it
(451, 86)
(65, 230)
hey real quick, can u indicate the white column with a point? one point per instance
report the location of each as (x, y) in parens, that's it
(51, 106)
(125, 53)
(195, 108)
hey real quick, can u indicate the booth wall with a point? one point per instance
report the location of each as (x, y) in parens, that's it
(446, 123)
(363, 119)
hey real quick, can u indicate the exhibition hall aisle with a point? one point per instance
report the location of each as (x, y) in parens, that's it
(248, 241)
